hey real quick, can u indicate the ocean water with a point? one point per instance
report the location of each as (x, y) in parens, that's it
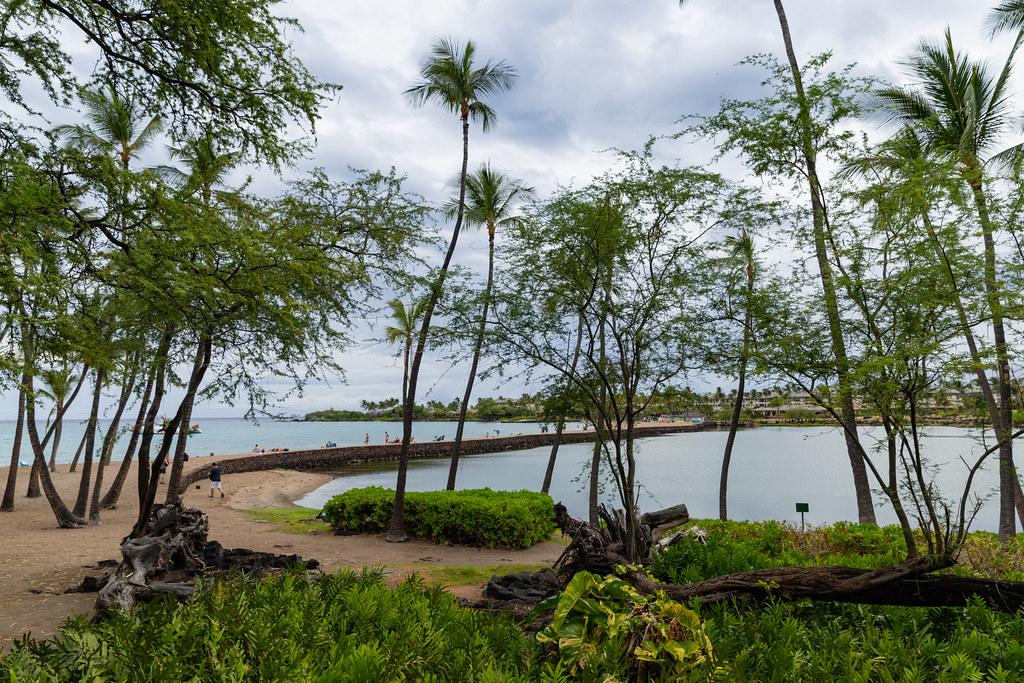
(223, 436)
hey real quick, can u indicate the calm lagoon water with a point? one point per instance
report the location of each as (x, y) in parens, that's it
(772, 467)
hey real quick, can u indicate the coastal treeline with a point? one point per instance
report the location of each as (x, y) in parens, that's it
(138, 258)
(866, 255)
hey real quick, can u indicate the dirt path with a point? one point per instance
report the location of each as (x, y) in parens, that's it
(38, 561)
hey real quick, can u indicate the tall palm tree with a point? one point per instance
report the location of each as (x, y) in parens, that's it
(741, 249)
(115, 126)
(961, 112)
(406, 318)
(806, 133)
(491, 202)
(450, 78)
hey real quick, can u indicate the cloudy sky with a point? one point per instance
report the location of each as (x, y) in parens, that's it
(593, 74)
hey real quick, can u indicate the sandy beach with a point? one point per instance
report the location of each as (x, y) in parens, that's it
(39, 561)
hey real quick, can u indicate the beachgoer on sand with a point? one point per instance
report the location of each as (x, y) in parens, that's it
(215, 482)
(387, 437)
(256, 448)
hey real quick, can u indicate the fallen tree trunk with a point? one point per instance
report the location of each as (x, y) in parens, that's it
(832, 584)
(913, 583)
(174, 555)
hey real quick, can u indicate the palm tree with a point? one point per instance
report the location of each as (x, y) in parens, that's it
(806, 133)
(741, 249)
(207, 166)
(1007, 16)
(58, 383)
(491, 202)
(450, 78)
(960, 113)
(406, 317)
(115, 126)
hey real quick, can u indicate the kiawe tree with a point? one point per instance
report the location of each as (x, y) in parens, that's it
(451, 78)
(492, 200)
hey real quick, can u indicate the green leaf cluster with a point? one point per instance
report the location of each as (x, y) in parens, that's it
(495, 519)
(606, 624)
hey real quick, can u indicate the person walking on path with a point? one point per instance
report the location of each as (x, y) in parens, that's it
(215, 482)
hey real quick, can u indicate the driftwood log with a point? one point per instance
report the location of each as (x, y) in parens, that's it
(913, 583)
(173, 556)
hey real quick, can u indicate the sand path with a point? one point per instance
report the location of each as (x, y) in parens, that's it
(38, 561)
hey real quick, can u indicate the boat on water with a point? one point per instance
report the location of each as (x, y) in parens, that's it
(193, 429)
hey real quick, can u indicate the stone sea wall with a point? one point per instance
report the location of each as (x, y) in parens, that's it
(335, 458)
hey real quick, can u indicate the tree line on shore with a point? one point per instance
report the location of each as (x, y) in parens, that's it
(886, 276)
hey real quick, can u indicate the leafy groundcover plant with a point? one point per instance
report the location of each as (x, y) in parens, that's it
(496, 519)
(342, 627)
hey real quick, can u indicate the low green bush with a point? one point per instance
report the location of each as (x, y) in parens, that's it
(495, 519)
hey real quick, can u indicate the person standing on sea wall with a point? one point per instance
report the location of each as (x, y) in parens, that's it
(366, 439)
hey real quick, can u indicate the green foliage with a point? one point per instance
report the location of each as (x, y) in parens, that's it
(503, 519)
(605, 624)
(344, 627)
(223, 65)
(832, 642)
(742, 546)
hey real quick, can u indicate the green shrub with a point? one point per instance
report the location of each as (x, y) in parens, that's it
(344, 627)
(495, 519)
(604, 624)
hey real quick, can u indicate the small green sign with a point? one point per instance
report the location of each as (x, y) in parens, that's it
(803, 507)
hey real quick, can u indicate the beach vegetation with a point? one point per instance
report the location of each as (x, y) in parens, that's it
(493, 519)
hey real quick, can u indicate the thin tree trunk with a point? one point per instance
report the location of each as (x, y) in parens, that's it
(204, 350)
(82, 501)
(737, 409)
(723, 484)
(108, 442)
(160, 361)
(1007, 475)
(549, 472)
(78, 451)
(58, 427)
(33, 481)
(595, 457)
(477, 347)
(109, 501)
(66, 519)
(865, 505)
(12, 473)
(397, 533)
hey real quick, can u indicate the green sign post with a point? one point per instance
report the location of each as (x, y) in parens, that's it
(802, 508)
